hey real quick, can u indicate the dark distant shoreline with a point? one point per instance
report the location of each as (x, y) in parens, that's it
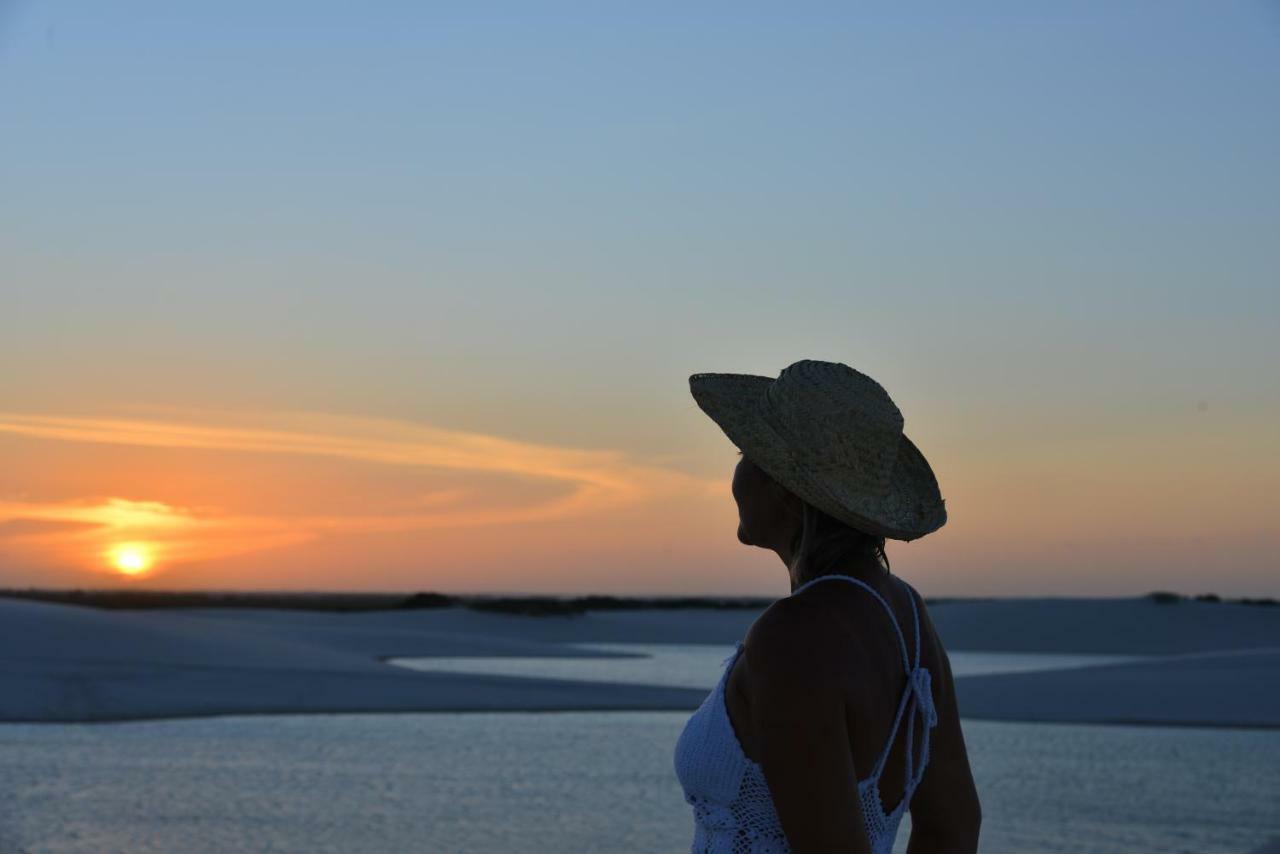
(523, 605)
(133, 600)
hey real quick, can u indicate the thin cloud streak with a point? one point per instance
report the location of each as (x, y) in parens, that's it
(385, 442)
(598, 481)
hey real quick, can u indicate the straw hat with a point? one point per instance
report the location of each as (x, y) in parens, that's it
(833, 437)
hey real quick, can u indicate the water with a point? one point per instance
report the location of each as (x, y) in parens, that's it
(699, 665)
(583, 781)
(573, 782)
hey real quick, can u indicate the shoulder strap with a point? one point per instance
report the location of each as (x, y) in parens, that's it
(918, 684)
(902, 641)
(915, 618)
(920, 691)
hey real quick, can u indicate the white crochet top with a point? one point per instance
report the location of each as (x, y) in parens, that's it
(733, 811)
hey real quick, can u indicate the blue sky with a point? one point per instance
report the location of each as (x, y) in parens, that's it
(1035, 223)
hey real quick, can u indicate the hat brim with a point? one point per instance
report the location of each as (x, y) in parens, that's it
(911, 508)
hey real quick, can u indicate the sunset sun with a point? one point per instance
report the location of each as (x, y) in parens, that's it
(131, 559)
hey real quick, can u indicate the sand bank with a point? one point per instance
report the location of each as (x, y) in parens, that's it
(66, 663)
(1230, 689)
(69, 663)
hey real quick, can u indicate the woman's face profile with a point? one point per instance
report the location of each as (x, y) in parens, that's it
(760, 505)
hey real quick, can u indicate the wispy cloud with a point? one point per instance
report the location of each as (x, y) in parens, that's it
(594, 480)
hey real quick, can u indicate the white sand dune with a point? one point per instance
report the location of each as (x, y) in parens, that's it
(694, 625)
(66, 663)
(1240, 689)
(69, 663)
(1120, 626)
(1213, 664)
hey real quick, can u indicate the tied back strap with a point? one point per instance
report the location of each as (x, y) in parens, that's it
(919, 690)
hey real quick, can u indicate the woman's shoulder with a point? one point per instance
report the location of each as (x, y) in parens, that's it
(797, 632)
(846, 622)
(785, 624)
(783, 647)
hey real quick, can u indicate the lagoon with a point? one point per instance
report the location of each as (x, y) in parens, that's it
(700, 665)
(573, 782)
(584, 781)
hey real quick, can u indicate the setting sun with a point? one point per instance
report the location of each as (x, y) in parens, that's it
(131, 558)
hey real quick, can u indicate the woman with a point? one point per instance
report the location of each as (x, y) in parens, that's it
(838, 713)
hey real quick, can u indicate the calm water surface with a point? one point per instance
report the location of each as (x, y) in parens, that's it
(581, 781)
(573, 782)
(699, 665)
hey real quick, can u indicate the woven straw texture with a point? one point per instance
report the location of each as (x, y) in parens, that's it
(833, 436)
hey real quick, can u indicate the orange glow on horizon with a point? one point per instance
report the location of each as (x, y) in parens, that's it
(480, 481)
(253, 500)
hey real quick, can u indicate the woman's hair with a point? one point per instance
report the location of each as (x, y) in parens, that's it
(822, 541)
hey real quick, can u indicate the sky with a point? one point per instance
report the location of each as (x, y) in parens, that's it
(401, 296)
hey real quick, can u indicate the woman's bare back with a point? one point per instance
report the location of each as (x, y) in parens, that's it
(857, 645)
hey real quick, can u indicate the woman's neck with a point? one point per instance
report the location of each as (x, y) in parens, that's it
(862, 566)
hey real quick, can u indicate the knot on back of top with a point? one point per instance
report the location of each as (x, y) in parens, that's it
(921, 685)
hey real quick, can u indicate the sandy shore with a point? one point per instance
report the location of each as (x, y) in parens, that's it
(68, 663)
(1230, 689)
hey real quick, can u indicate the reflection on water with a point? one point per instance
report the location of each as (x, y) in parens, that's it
(573, 782)
(699, 665)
